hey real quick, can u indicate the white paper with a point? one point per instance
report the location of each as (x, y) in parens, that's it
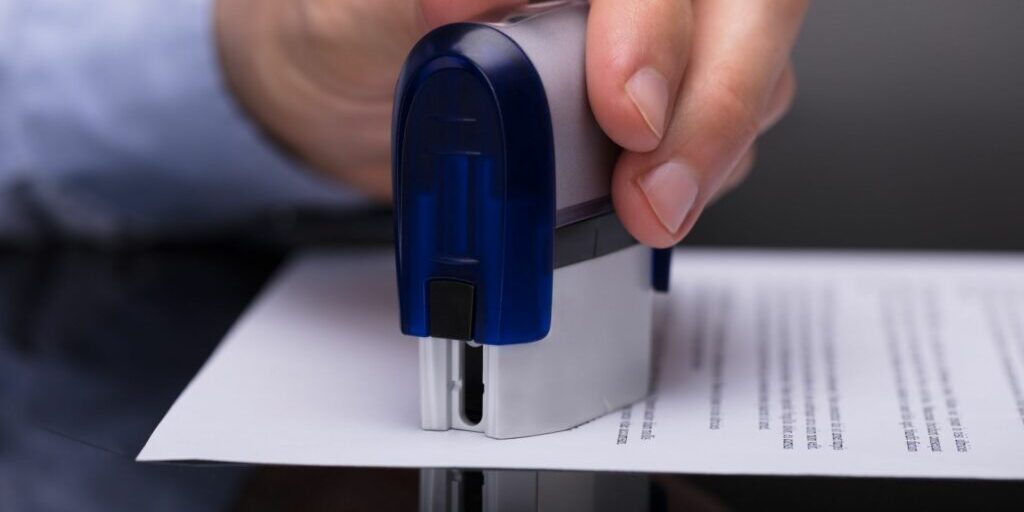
(771, 363)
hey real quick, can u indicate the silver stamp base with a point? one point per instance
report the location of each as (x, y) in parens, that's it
(595, 359)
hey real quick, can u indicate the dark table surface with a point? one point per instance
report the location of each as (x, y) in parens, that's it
(907, 134)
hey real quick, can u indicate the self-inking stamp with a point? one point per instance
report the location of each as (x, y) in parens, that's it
(532, 303)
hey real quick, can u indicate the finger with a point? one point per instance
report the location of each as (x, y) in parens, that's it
(636, 55)
(778, 105)
(740, 47)
(440, 12)
(738, 174)
(781, 99)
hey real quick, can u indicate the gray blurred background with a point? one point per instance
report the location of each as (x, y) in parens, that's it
(907, 132)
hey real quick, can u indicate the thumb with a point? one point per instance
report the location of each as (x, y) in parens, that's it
(440, 12)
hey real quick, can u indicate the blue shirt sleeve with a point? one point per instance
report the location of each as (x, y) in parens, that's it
(115, 123)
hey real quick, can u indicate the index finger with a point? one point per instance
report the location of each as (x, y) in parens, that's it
(636, 56)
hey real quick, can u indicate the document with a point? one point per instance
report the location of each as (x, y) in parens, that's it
(770, 363)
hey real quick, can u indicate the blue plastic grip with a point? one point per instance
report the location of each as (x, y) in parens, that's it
(474, 182)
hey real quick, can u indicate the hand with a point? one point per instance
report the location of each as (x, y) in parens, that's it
(684, 86)
(319, 75)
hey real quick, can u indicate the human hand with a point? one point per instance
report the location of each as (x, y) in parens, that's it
(684, 86)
